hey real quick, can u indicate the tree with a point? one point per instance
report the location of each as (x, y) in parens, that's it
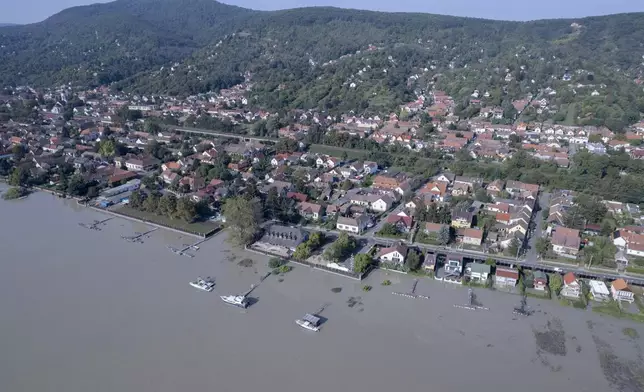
(18, 177)
(608, 226)
(444, 235)
(513, 248)
(346, 185)
(272, 204)
(151, 203)
(315, 240)
(167, 205)
(77, 185)
(136, 199)
(555, 282)
(412, 261)
(388, 229)
(482, 196)
(92, 192)
(275, 262)
(302, 252)
(14, 193)
(542, 246)
(602, 251)
(18, 152)
(341, 248)
(186, 209)
(243, 217)
(361, 262)
(151, 126)
(107, 148)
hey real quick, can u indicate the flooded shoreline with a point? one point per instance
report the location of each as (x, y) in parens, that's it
(85, 310)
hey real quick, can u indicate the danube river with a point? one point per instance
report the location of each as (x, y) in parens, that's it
(83, 310)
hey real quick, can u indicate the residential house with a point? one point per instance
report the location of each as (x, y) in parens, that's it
(598, 290)
(175, 166)
(141, 164)
(540, 280)
(495, 188)
(382, 203)
(370, 167)
(596, 148)
(460, 189)
(395, 254)
(404, 188)
(635, 249)
(429, 263)
(516, 187)
(462, 219)
(403, 223)
(565, 241)
(300, 197)
(571, 286)
(352, 225)
(472, 236)
(621, 292)
(169, 177)
(386, 182)
(506, 277)
(192, 183)
(436, 189)
(310, 210)
(282, 238)
(477, 271)
(447, 178)
(453, 265)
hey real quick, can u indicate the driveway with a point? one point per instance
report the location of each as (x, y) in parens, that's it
(544, 203)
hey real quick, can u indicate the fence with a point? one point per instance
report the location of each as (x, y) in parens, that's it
(352, 275)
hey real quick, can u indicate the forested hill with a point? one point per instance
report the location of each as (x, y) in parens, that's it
(101, 43)
(311, 57)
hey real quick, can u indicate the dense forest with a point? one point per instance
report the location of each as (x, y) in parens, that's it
(334, 59)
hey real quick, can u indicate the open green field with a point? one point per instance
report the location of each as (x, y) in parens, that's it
(200, 228)
(337, 151)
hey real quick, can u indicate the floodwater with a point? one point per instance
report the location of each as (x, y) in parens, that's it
(84, 310)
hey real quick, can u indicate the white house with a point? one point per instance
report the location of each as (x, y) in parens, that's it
(635, 249)
(621, 292)
(598, 290)
(571, 287)
(506, 277)
(395, 254)
(352, 225)
(382, 204)
(477, 271)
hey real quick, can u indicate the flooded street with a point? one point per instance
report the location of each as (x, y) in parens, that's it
(84, 310)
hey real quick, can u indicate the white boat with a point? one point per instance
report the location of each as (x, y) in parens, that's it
(310, 322)
(203, 284)
(235, 300)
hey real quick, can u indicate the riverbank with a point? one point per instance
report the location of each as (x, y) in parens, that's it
(161, 222)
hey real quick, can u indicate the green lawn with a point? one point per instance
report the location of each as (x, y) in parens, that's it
(635, 269)
(201, 228)
(571, 114)
(337, 151)
(612, 309)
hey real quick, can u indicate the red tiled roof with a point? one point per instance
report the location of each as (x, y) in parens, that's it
(569, 278)
(507, 273)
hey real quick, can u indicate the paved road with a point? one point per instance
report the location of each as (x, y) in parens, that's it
(543, 202)
(499, 258)
(201, 131)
